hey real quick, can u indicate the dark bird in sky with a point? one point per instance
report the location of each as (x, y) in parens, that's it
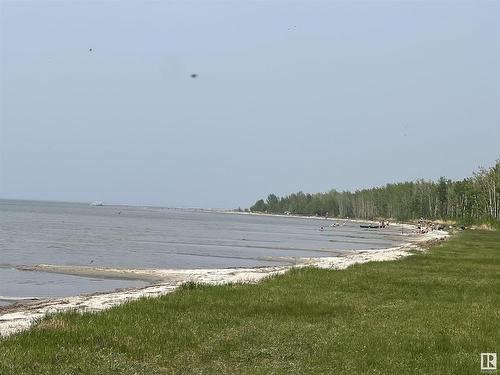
(90, 49)
(194, 75)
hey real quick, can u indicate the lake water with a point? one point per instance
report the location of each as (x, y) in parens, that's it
(149, 237)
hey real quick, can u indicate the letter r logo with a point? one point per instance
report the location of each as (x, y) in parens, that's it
(488, 361)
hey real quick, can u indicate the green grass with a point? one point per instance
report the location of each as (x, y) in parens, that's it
(430, 313)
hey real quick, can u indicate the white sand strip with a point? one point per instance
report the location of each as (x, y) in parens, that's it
(20, 317)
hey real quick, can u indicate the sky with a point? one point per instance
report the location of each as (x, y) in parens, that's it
(97, 101)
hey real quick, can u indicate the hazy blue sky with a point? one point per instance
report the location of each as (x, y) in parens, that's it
(289, 96)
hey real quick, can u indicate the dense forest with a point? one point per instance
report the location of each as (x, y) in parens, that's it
(474, 199)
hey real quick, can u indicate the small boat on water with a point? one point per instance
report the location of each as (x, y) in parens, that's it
(97, 203)
(370, 226)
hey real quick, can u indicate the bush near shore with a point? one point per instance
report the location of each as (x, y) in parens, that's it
(431, 313)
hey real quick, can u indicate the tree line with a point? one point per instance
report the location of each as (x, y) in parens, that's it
(474, 199)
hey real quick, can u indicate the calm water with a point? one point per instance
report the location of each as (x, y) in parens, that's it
(145, 237)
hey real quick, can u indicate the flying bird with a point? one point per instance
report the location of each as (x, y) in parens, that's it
(90, 49)
(194, 75)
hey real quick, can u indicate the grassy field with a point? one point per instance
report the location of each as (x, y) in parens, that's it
(430, 313)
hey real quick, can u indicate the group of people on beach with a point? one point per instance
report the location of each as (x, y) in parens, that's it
(424, 226)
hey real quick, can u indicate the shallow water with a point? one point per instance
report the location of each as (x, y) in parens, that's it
(43, 284)
(145, 237)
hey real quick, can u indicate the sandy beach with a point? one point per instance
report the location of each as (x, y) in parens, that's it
(22, 316)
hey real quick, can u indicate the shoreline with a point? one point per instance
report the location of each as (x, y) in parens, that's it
(294, 216)
(21, 316)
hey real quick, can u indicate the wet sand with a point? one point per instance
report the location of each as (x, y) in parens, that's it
(34, 284)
